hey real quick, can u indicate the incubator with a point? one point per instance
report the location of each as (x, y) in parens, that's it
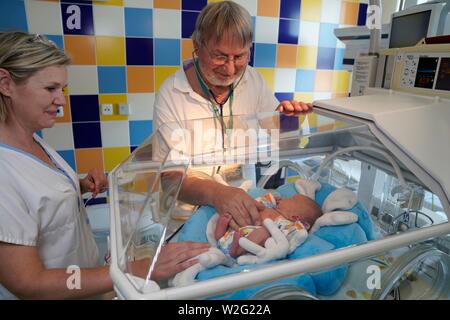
(380, 146)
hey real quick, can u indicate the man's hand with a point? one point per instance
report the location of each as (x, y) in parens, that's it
(95, 182)
(293, 107)
(236, 202)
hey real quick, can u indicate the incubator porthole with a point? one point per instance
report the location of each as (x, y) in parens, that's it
(283, 292)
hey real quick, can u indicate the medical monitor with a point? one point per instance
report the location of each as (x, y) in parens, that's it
(410, 26)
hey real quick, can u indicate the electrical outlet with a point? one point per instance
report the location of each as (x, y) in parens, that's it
(107, 109)
(124, 109)
(60, 112)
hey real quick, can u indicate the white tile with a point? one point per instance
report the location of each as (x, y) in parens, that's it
(167, 23)
(108, 20)
(141, 106)
(60, 136)
(309, 33)
(146, 4)
(331, 11)
(285, 80)
(43, 17)
(250, 5)
(322, 95)
(115, 134)
(82, 80)
(266, 30)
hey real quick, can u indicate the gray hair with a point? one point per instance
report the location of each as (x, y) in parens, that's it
(22, 55)
(217, 19)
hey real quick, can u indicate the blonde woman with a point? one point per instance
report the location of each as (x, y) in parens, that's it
(43, 227)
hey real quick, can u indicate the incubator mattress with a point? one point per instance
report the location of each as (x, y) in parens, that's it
(324, 240)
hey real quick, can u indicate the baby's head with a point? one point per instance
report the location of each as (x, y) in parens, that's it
(300, 208)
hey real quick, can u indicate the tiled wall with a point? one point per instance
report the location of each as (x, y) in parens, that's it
(122, 51)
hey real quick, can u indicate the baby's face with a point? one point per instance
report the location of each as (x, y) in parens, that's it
(297, 208)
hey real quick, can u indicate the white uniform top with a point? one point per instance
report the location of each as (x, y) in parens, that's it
(176, 101)
(41, 206)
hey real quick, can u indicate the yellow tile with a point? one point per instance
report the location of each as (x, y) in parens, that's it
(304, 97)
(269, 8)
(269, 75)
(186, 49)
(311, 10)
(167, 4)
(286, 56)
(114, 156)
(161, 74)
(341, 81)
(114, 99)
(307, 57)
(110, 51)
(110, 2)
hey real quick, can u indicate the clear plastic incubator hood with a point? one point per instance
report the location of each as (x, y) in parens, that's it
(390, 149)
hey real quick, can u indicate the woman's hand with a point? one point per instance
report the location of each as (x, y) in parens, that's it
(236, 202)
(293, 107)
(95, 182)
(175, 257)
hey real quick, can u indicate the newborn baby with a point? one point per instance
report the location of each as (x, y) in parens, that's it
(290, 215)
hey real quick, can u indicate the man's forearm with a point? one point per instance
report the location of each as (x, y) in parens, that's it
(199, 191)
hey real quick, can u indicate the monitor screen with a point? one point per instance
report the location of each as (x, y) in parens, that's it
(408, 30)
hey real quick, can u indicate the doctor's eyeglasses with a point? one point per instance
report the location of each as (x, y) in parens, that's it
(221, 59)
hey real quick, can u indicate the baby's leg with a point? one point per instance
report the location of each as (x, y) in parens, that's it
(258, 236)
(222, 225)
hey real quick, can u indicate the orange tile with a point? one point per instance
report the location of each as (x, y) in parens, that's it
(67, 117)
(140, 79)
(186, 49)
(167, 4)
(349, 13)
(269, 8)
(81, 49)
(324, 81)
(88, 159)
(286, 56)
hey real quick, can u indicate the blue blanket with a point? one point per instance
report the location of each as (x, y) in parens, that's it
(324, 240)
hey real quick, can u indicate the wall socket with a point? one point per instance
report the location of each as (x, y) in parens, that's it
(60, 112)
(125, 109)
(107, 109)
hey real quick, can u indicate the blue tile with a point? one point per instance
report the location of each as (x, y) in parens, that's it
(327, 38)
(281, 96)
(290, 9)
(167, 52)
(84, 108)
(252, 55)
(13, 16)
(325, 58)
(195, 5)
(58, 40)
(69, 157)
(265, 55)
(77, 19)
(339, 59)
(139, 51)
(132, 148)
(87, 135)
(138, 22)
(288, 123)
(139, 131)
(112, 79)
(77, 1)
(97, 200)
(188, 19)
(362, 14)
(288, 31)
(305, 80)
(39, 133)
